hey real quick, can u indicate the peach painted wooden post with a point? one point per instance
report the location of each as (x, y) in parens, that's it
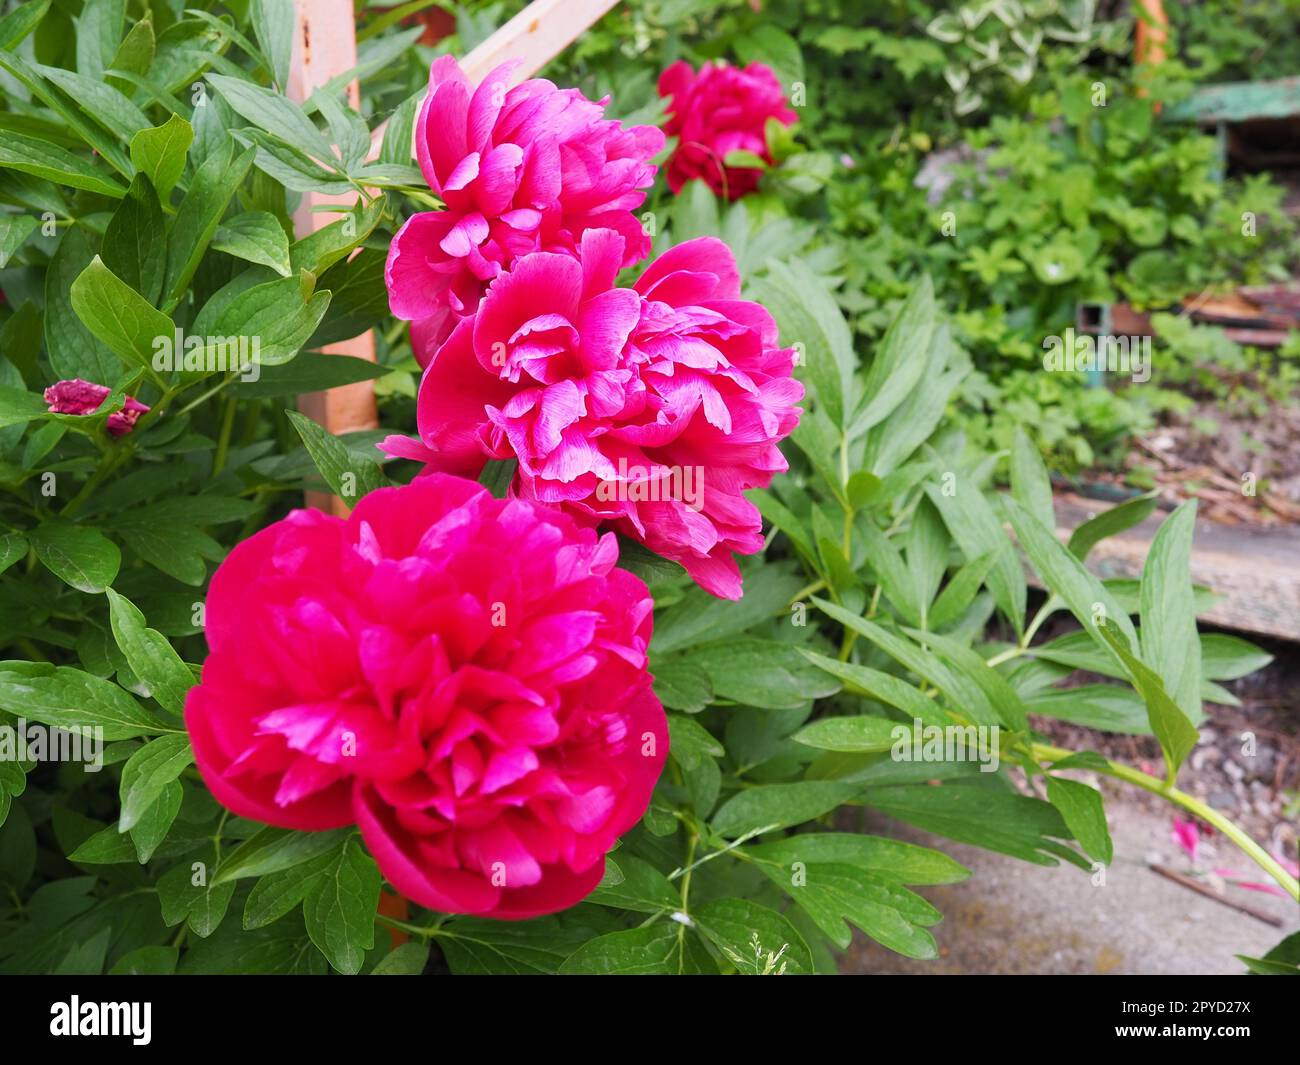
(324, 45)
(1152, 36)
(1152, 31)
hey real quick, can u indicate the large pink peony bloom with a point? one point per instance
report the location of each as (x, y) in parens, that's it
(520, 170)
(461, 676)
(76, 396)
(650, 410)
(720, 110)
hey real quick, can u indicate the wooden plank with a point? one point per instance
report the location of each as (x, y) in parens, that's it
(325, 45)
(1254, 570)
(1240, 101)
(1241, 320)
(535, 36)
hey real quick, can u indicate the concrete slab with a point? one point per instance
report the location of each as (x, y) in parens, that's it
(1011, 917)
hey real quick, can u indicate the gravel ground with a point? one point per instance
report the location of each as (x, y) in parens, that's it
(1257, 784)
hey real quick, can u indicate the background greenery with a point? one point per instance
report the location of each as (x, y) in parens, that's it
(1056, 200)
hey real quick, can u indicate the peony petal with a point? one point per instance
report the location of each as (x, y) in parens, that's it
(453, 398)
(710, 268)
(440, 137)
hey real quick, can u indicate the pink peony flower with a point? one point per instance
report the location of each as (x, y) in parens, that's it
(463, 677)
(720, 110)
(649, 410)
(84, 397)
(520, 170)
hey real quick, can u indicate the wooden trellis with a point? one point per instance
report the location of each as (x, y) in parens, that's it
(324, 46)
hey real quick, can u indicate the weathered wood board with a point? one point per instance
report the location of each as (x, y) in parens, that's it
(1254, 570)
(1240, 101)
(534, 37)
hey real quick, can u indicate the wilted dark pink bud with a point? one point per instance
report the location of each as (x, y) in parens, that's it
(84, 397)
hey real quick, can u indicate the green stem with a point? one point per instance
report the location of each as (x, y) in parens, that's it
(1005, 656)
(223, 441)
(688, 869)
(216, 838)
(203, 397)
(422, 931)
(1211, 816)
(686, 892)
(1025, 640)
(846, 643)
(875, 602)
(1042, 615)
(805, 591)
(111, 461)
(30, 650)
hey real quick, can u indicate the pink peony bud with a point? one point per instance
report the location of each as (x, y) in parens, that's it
(720, 110)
